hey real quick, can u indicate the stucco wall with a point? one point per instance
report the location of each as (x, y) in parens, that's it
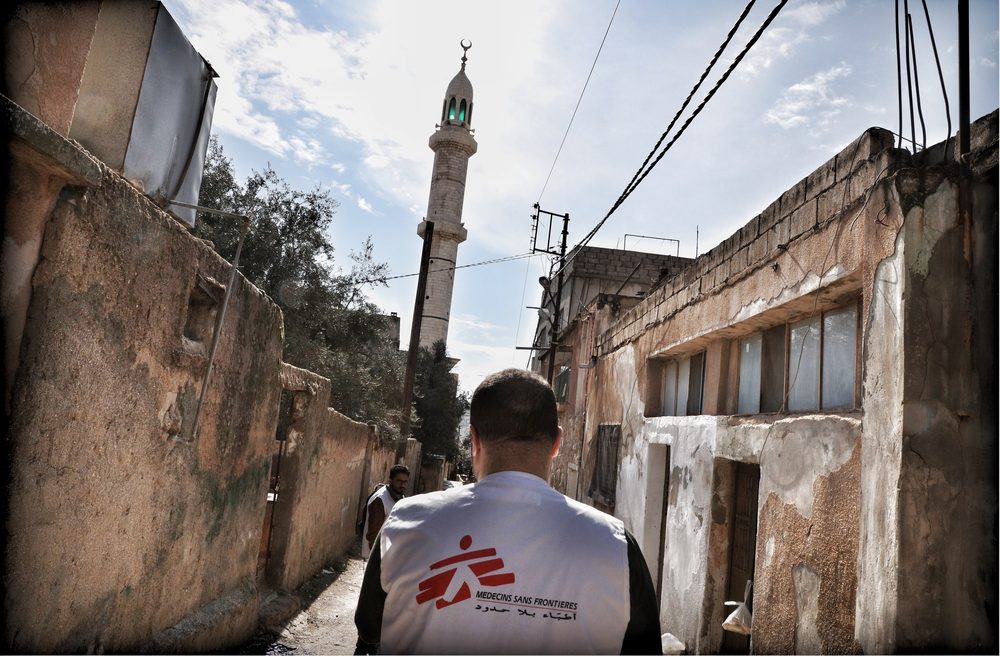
(120, 525)
(46, 45)
(320, 474)
(927, 571)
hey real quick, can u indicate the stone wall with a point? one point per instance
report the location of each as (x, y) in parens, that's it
(321, 471)
(126, 531)
(125, 521)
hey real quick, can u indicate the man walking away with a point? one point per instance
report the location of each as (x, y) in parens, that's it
(507, 565)
(379, 505)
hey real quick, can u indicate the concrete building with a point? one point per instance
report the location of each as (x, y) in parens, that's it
(811, 406)
(596, 280)
(453, 144)
(592, 272)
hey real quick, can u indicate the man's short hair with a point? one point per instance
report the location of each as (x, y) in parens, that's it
(397, 470)
(514, 404)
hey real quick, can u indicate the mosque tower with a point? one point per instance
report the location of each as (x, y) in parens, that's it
(453, 145)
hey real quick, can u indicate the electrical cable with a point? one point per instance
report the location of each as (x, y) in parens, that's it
(579, 100)
(899, 79)
(909, 82)
(628, 191)
(452, 268)
(524, 291)
(916, 83)
(694, 90)
(944, 91)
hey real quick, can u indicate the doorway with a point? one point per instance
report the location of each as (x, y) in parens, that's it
(657, 502)
(274, 478)
(742, 548)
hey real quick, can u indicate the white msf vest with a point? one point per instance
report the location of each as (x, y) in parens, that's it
(505, 566)
(387, 503)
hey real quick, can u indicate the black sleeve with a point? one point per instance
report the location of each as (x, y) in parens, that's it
(371, 602)
(642, 636)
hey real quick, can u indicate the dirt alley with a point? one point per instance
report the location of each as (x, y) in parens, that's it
(325, 623)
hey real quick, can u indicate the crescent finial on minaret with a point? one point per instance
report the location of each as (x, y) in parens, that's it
(465, 51)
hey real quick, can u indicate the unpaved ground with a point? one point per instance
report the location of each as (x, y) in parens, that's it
(325, 625)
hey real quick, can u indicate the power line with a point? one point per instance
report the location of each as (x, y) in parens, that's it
(694, 90)
(579, 100)
(944, 92)
(452, 268)
(641, 175)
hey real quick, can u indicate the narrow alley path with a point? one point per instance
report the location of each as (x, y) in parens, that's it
(325, 623)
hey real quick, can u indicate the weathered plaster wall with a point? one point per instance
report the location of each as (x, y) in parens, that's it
(927, 568)
(947, 487)
(46, 163)
(46, 45)
(321, 472)
(807, 535)
(120, 525)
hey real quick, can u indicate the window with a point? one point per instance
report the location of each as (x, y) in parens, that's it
(461, 111)
(561, 385)
(681, 386)
(604, 482)
(451, 110)
(750, 352)
(805, 365)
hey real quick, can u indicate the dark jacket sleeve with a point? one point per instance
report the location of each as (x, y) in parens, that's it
(642, 636)
(371, 602)
(376, 517)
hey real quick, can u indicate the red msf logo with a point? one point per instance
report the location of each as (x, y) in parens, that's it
(445, 584)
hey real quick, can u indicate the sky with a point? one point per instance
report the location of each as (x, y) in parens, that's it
(344, 96)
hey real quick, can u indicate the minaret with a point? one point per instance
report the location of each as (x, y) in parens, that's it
(453, 145)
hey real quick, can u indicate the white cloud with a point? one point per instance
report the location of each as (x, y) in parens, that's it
(987, 62)
(307, 151)
(365, 205)
(790, 30)
(814, 13)
(811, 102)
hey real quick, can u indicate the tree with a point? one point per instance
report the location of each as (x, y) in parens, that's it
(331, 327)
(437, 404)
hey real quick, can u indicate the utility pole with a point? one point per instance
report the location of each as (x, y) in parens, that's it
(418, 311)
(964, 121)
(550, 250)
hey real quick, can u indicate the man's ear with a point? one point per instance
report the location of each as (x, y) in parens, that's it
(474, 436)
(556, 444)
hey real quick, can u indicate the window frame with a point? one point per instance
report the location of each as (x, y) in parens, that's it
(820, 317)
(663, 368)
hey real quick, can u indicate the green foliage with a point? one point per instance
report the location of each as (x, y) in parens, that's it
(437, 404)
(331, 328)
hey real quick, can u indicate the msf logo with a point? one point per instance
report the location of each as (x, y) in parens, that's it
(452, 585)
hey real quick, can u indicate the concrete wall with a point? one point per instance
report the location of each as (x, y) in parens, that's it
(321, 470)
(927, 571)
(120, 524)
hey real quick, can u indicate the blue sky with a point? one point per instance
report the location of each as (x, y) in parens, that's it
(344, 95)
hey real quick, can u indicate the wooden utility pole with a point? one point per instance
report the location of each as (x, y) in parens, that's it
(418, 311)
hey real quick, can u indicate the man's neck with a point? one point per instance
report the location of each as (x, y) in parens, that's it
(395, 497)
